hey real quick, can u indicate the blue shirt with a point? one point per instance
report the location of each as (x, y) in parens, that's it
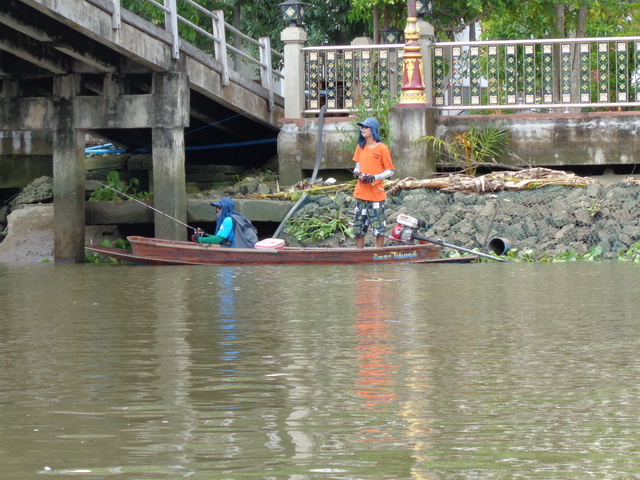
(226, 231)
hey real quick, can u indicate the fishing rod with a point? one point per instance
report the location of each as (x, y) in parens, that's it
(381, 189)
(144, 204)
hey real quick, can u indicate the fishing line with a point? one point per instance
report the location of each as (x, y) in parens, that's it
(216, 123)
(142, 203)
(142, 149)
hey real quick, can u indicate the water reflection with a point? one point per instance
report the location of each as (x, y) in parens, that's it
(374, 343)
(479, 371)
(227, 314)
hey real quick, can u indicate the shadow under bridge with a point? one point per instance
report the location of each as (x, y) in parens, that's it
(69, 68)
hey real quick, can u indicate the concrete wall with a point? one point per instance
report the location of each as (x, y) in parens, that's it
(198, 211)
(298, 146)
(601, 138)
(17, 171)
(556, 141)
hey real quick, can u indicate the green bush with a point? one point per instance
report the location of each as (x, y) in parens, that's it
(116, 189)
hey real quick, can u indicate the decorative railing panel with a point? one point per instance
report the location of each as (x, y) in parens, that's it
(536, 74)
(515, 75)
(342, 77)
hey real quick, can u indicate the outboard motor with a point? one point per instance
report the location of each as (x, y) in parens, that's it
(406, 228)
(406, 232)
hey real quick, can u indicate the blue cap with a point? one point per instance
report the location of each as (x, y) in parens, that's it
(222, 202)
(370, 123)
(373, 124)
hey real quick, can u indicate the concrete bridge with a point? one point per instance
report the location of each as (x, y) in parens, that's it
(72, 68)
(69, 68)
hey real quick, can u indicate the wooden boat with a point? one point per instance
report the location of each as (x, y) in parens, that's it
(155, 251)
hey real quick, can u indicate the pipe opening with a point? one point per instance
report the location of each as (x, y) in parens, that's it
(499, 246)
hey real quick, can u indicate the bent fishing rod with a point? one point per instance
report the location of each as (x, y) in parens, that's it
(148, 206)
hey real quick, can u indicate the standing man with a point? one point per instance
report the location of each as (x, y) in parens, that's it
(373, 164)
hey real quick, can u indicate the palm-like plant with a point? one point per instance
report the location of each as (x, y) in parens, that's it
(473, 148)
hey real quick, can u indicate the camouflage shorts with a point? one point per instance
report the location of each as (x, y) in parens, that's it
(369, 216)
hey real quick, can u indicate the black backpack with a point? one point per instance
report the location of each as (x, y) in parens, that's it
(245, 234)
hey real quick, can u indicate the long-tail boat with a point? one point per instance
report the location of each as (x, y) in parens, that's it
(155, 251)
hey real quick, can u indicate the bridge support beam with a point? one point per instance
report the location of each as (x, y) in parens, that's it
(171, 99)
(169, 188)
(68, 175)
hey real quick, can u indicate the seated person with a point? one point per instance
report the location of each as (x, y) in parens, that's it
(224, 225)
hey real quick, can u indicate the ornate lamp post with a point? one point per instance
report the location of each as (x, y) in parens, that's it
(292, 11)
(412, 78)
(424, 7)
(392, 35)
(293, 38)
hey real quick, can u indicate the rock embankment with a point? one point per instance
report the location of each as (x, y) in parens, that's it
(544, 221)
(540, 221)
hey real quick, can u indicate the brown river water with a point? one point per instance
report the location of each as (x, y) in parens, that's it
(482, 371)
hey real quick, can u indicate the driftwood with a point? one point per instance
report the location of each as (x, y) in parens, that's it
(526, 179)
(631, 181)
(494, 182)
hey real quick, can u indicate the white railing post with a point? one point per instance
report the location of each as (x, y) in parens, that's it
(293, 38)
(171, 24)
(266, 70)
(220, 47)
(115, 16)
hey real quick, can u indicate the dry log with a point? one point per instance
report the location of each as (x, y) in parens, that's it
(494, 182)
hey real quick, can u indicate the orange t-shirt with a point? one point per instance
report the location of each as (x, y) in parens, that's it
(372, 161)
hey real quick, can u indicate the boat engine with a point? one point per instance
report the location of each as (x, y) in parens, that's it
(406, 228)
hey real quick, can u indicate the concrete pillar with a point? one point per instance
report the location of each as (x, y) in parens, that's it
(426, 40)
(293, 38)
(68, 175)
(171, 92)
(407, 125)
(362, 41)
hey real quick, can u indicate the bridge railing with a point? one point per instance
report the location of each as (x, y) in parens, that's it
(211, 35)
(475, 77)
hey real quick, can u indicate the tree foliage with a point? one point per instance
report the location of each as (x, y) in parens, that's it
(337, 22)
(561, 19)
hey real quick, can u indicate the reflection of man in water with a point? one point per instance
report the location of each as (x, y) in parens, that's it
(375, 384)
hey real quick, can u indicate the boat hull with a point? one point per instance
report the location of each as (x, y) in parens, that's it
(153, 251)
